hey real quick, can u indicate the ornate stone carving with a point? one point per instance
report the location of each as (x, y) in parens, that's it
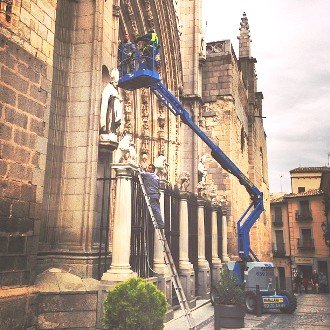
(161, 127)
(127, 112)
(145, 131)
(144, 161)
(161, 167)
(131, 15)
(116, 10)
(215, 47)
(150, 17)
(183, 181)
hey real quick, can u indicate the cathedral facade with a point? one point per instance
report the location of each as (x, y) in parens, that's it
(63, 154)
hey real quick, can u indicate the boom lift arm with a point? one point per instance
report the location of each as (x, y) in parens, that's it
(150, 78)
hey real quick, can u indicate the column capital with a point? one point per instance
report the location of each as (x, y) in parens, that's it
(164, 184)
(201, 201)
(215, 206)
(184, 194)
(124, 169)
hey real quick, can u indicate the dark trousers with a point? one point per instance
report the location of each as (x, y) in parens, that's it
(155, 206)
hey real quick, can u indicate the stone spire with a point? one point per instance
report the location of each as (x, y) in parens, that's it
(244, 38)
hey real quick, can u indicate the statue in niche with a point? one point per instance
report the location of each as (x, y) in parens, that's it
(161, 167)
(202, 171)
(213, 193)
(183, 181)
(202, 174)
(111, 109)
(126, 152)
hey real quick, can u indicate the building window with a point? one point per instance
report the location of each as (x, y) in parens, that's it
(277, 221)
(6, 7)
(279, 247)
(305, 241)
(304, 212)
(301, 189)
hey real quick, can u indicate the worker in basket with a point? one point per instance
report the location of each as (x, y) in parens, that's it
(150, 50)
(127, 54)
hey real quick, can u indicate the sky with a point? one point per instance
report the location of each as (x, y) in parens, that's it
(291, 43)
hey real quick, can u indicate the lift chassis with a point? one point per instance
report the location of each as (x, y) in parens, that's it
(249, 271)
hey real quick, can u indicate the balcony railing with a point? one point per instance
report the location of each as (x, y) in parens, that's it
(306, 244)
(279, 250)
(304, 216)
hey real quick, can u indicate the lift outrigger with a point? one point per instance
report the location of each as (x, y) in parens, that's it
(249, 271)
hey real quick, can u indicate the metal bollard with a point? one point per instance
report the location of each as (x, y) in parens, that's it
(258, 301)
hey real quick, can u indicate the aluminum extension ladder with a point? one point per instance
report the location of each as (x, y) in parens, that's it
(169, 262)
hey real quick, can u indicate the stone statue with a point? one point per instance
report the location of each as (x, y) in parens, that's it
(144, 162)
(111, 109)
(202, 171)
(126, 152)
(183, 181)
(213, 193)
(161, 167)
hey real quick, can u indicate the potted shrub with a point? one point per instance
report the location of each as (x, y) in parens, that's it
(229, 310)
(134, 304)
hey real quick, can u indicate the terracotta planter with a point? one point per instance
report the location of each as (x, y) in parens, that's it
(228, 316)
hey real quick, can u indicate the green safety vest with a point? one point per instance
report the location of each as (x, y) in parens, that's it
(154, 39)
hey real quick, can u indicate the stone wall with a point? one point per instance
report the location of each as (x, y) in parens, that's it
(230, 123)
(24, 101)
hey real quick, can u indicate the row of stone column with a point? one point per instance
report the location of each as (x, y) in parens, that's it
(120, 268)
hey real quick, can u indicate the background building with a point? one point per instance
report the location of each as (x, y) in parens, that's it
(301, 225)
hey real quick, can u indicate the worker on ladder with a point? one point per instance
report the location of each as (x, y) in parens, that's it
(150, 50)
(152, 184)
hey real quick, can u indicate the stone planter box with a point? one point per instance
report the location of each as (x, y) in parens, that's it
(228, 316)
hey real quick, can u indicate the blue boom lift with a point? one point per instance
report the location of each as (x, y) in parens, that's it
(251, 273)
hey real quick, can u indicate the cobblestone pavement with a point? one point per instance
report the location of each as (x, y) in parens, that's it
(313, 311)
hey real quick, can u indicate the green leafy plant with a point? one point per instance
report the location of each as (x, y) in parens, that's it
(134, 304)
(227, 291)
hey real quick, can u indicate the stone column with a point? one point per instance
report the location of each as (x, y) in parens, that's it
(186, 270)
(160, 268)
(120, 268)
(216, 261)
(203, 264)
(225, 257)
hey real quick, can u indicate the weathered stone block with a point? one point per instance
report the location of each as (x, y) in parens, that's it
(10, 263)
(30, 106)
(12, 311)
(28, 73)
(28, 192)
(12, 79)
(67, 302)
(10, 189)
(16, 244)
(3, 244)
(20, 209)
(67, 320)
(8, 96)
(5, 207)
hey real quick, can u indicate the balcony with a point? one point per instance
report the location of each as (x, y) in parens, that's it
(304, 216)
(306, 244)
(279, 250)
(277, 221)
